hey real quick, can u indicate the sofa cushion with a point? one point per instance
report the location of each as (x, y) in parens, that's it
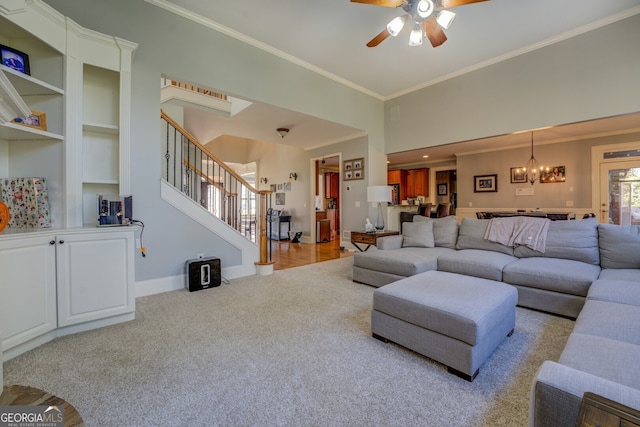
(576, 240)
(403, 262)
(620, 291)
(619, 246)
(617, 361)
(609, 320)
(471, 236)
(445, 230)
(552, 274)
(628, 274)
(417, 235)
(475, 262)
(389, 242)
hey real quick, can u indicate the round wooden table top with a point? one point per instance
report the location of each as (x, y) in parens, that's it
(18, 395)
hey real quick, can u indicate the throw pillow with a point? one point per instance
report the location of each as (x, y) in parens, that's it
(418, 235)
(445, 230)
(619, 246)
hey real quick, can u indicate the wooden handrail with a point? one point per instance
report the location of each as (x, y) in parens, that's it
(213, 157)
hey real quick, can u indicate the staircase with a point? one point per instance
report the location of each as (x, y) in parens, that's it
(232, 205)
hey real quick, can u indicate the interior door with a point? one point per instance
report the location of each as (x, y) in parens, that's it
(620, 193)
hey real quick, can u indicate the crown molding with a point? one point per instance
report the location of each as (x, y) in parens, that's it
(260, 45)
(535, 46)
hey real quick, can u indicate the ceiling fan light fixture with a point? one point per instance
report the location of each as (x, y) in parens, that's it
(396, 25)
(415, 38)
(445, 18)
(424, 8)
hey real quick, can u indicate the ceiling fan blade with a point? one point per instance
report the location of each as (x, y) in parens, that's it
(379, 38)
(434, 32)
(453, 3)
(385, 3)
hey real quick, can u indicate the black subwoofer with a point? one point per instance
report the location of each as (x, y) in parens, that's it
(203, 273)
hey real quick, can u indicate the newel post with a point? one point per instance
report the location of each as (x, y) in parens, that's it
(264, 267)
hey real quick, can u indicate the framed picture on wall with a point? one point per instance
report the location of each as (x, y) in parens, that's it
(442, 189)
(518, 175)
(553, 174)
(485, 183)
(353, 169)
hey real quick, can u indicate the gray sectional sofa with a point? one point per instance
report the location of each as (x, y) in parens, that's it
(588, 271)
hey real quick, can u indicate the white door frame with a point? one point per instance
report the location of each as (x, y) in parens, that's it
(312, 194)
(597, 178)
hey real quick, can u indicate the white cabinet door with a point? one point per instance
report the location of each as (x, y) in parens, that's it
(95, 276)
(27, 289)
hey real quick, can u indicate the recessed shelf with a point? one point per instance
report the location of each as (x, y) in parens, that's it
(27, 85)
(100, 181)
(13, 131)
(100, 128)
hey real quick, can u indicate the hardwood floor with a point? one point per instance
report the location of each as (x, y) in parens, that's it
(287, 255)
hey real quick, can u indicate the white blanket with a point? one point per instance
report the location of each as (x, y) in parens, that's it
(519, 230)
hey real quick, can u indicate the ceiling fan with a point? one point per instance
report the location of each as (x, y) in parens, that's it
(427, 16)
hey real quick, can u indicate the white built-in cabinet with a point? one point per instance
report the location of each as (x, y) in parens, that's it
(73, 276)
(94, 276)
(56, 283)
(28, 289)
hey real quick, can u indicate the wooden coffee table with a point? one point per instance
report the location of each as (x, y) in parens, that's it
(369, 237)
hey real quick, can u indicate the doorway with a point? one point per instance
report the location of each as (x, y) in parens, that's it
(620, 192)
(325, 211)
(444, 187)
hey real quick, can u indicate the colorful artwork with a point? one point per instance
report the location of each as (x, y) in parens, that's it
(28, 202)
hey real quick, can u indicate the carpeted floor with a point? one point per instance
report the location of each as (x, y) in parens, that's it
(291, 349)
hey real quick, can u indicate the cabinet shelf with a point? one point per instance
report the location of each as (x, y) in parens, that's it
(100, 181)
(27, 85)
(100, 128)
(13, 131)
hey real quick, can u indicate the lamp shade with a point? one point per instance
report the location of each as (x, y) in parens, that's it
(379, 193)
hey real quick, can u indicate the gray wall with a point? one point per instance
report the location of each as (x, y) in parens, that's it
(177, 47)
(590, 76)
(574, 155)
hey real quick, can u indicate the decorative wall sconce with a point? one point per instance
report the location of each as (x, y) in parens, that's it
(264, 180)
(294, 176)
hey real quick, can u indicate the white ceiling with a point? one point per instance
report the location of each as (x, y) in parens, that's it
(330, 37)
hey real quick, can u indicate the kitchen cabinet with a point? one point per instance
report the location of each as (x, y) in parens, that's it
(398, 177)
(333, 216)
(418, 182)
(412, 182)
(331, 185)
(56, 283)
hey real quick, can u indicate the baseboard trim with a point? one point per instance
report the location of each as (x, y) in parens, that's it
(175, 283)
(160, 285)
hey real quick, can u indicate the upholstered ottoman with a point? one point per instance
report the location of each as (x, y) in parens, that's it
(454, 319)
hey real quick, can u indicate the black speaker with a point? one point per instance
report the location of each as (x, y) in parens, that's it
(203, 273)
(128, 208)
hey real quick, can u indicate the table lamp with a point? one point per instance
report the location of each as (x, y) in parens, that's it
(380, 194)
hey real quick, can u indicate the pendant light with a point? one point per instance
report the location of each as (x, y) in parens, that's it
(533, 166)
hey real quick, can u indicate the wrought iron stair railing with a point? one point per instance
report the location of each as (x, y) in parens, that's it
(191, 168)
